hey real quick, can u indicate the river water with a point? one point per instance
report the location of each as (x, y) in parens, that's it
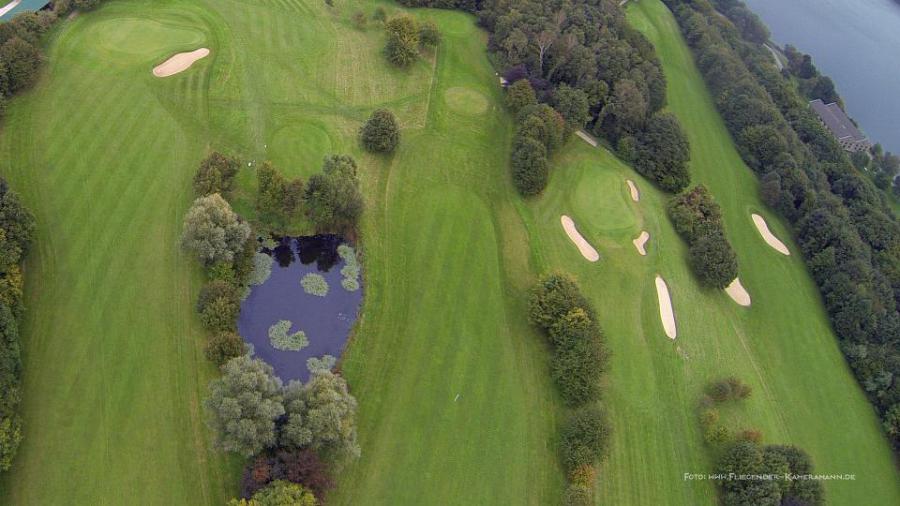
(857, 44)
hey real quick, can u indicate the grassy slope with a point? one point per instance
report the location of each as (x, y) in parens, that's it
(114, 366)
(783, 345)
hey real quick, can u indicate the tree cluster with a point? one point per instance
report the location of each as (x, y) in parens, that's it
(16, 229)
(405, 36)
(287, 429)
(215, 175)
(332, 198)
(278, 198)
(380, 133)
(584, 58)
(541, 132)
(557, 307)
(848, 235)
(698, 219)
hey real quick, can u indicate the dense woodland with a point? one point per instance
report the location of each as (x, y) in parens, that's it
(582, 58)
(848, 234)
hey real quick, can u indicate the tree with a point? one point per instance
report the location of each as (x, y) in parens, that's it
(585, 437)
(713, 260)
(695, 213)
(530, 169)
(22, 61)
(403, 40)
(429, 34)
(576, 369)
(572, 103)
(279, 493)
(215, 174)
(244, 404)
(17, 224)
(224, 346)
(380, 133)
(213, 231)
(332, 198)
(555, 296)
(295, 431)
(520, 95)
(330, 415)
(662, 153)
(277, 196)
(625, 113)
(10, 437)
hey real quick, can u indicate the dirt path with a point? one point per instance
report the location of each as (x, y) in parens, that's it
(179, 62)
(586, 138)
(666, 314)
(767, 235)
(587, 251)
(10, 6)
(738, 293)
(641, 241)
(635, 194)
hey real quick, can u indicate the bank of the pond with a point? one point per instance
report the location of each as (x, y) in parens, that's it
(325, 314)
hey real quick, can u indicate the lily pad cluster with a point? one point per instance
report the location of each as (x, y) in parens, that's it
(350, 271)
(315, 284)
(282, 339)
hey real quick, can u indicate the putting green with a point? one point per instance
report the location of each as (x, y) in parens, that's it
(134, 37)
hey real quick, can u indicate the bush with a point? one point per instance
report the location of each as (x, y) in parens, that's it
(224, 346)
(728, 389)
(281, 493)
(381, 133)
(359, 20)
(220, 315)
(520, 95)
(10, 438)
(429, 35)
(314, 284)
(403, 40)
(553, 297)
(215, 289)
(585, 437)
(281, 339)
(578, 495)
(713, 260)
(215, 175)
(380, 14)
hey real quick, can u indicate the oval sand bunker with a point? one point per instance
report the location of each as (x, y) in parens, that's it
(179, 62)
(635, 194)
(641, 241)
(665, 308)
(587, 251)
(767, 235)
(738, 293)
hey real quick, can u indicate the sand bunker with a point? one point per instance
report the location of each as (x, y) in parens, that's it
(738, 293)
(587, 251)
(635, 194)
(179, 62)
(640, 242)
(586, 138)
(767, 235)
(665, 308)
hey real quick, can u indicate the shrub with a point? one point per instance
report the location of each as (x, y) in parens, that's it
(578, 495)
(281, 339)
(380, 14)
(583, 475)
(213, 231)
(224, 346)
(726, 389)
(220, 314)
(713, 260)
(262, 269)
(244, 404)
(554, 296)
(280, 493)
(403, 40)
(314, 284)
(216, 289)
(585, 436)
(429, 35)
(359, 20)
(215, 174)
(520, 95)
(10, 438)
(381, 133)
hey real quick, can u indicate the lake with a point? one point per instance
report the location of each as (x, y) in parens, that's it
(857, 44)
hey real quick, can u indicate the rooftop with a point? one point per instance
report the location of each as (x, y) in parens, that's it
(836, 120)
(10, 9)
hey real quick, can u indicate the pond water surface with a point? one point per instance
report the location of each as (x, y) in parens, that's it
(325, 320)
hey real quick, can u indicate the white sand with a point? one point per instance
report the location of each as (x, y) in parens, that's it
(641, 241)
(586, 138)
(10, 6)
(587, 251)
(635, 194)
(767, 235)
(179, 62)
(738, 293)
(665, 308)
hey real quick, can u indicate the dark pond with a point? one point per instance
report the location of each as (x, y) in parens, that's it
(326, 320)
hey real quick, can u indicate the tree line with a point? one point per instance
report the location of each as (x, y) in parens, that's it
(848, 235)
(581, 58)
(16, 230)
(698, 219)
(557, 307)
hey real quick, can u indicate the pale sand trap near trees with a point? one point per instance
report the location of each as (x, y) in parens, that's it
(10, 6)
(587, 251)
(641, 241)
(665, 308)
(586, 138)
(635, 194)
(738, 293)
(179, 62)
(767, 235)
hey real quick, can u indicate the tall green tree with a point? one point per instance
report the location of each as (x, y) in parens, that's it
(213, 231)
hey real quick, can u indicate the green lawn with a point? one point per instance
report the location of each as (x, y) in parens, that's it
(103, 152)
(783, 346)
